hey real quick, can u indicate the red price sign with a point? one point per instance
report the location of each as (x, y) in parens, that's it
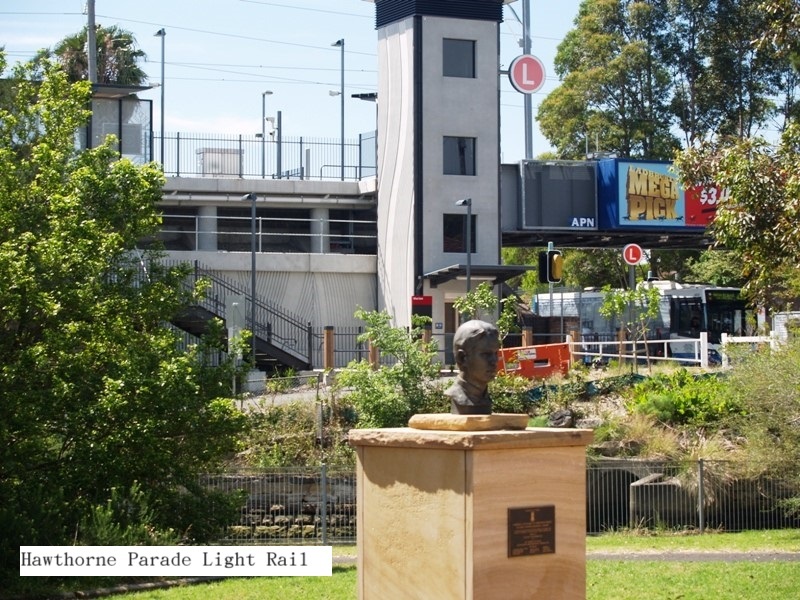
(701, 204)
(632, 254)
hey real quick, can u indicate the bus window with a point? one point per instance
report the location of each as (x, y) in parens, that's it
(726, 314)
(686, 317)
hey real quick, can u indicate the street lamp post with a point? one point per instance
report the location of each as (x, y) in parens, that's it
(252, 198)
(468, 203)
(340, 44)
(162, 33)
(264, 95)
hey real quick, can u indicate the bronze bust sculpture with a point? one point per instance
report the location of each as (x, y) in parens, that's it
(475, 346)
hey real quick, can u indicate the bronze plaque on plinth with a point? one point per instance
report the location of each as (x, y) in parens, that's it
(531, 530)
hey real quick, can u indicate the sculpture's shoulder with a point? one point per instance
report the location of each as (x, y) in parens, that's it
(467, 400)
(457, 392)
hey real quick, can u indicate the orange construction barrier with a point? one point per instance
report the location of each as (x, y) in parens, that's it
(534, 362)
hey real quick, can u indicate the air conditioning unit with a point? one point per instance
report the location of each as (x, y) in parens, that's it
(219, 162)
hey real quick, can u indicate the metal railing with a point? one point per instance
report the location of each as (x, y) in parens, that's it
(297, 506)
(273, 324)
(251, 156)
(594, 348)
(273, 234)
(699, 495)
(318, 505)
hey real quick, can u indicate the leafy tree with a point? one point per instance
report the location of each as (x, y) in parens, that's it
(389, 395)
(692, 103)
(635, 308)
(757, 222)
(784, 28)
(528, 283)
(95, 392)
(595, 268)
(614, 86)
(633, 73)
(477, 301)
(117, 56)
(482, 300)
(717, 267)
(745, 76)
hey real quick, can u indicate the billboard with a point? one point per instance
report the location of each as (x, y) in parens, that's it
(558, 195)
(641, 195)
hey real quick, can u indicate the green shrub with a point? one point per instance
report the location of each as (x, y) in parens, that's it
(509, 393)
(299, 434)
(283, 381)
(389, 395)
(766, 384)
(126, 519)
(201, 516)
(682, 398)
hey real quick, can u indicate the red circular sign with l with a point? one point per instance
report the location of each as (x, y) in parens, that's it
(632, 254)
(526, 74)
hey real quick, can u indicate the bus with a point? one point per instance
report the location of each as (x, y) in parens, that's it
(685, 311)
(713, 310)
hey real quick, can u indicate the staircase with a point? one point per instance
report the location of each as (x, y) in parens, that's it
(282, 340)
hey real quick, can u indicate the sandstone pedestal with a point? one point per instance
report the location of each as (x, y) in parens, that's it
(474, 515)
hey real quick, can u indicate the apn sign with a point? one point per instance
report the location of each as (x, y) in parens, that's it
(583, 223)
(558, 194)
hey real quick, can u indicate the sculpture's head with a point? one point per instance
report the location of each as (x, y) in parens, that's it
(475, 346)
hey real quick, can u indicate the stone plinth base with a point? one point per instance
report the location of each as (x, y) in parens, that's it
(471, 514)
(451, 422)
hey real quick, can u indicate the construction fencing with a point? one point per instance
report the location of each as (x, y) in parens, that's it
(318, 505)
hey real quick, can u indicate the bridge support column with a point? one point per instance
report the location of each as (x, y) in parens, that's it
(207, 228)
(320, 230)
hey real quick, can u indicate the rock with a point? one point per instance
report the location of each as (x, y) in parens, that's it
(589, 423)
(562, 419)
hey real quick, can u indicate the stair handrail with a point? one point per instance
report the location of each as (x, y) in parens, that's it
(290, 335)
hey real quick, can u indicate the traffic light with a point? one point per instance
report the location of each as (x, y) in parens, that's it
(551, 266)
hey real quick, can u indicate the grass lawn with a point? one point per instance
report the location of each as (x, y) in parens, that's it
(780, 540)
(636, 580)
(606, 579)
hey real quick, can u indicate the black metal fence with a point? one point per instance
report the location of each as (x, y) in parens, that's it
(293, 506)
(318, 506)
(251, 156)
(700, 495)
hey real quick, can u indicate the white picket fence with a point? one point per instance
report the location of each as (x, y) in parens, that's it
(773, 339)
(652, 350)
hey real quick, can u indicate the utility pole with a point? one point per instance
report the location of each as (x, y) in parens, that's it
(91, 42)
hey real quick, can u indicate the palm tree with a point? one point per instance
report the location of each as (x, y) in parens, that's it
(117, 56)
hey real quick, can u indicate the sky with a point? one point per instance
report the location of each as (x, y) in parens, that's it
(220, 56)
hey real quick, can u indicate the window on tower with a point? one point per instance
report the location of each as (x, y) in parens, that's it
(459, 155)
(454, 233)
(458, 58)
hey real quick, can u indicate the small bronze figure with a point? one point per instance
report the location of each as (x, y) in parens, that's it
(475, 346)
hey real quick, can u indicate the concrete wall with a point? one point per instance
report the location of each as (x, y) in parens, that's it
(461, 107)
(324, 289)
(396, 169)
(410, 154)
